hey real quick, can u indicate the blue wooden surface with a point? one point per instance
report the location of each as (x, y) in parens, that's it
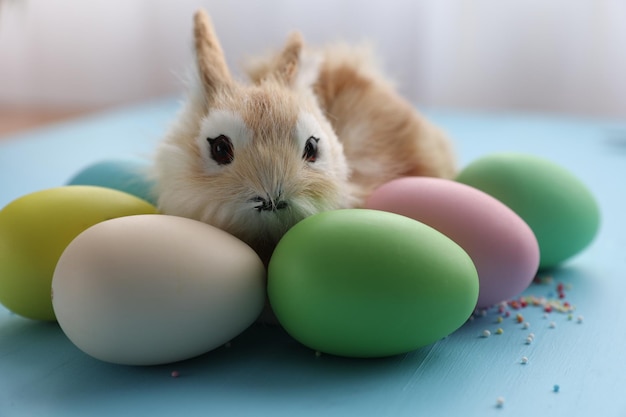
(264, 372)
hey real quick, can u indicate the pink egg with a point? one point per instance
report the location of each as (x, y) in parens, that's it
(502, 246)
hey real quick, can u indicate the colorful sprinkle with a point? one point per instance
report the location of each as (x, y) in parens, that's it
(500, 330)
(548, 304)
(318, 353)
(556, 388)
(175, 374)
(519, 318)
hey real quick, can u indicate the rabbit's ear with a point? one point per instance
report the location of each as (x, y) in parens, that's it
(288, 65)
(297, 67)
(212, 68)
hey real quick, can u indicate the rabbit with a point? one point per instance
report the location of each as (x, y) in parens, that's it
(312, 131)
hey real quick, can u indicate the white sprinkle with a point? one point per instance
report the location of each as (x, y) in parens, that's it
(486, 333)
(529, 340)
(580, 319)
(531, 335)
(552, 325)
(500, 402)
(524, 360)
(526, 325)
(545, 315)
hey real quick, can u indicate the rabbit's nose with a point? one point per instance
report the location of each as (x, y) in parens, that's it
(269, 204)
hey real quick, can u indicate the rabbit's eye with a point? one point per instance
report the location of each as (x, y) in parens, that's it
(310, 149)
(221, 150)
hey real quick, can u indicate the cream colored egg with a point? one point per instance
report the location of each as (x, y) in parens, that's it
(154, 289)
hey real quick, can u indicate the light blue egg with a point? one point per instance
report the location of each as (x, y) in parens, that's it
(129, 176)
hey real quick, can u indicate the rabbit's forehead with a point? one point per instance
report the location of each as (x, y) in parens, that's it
(261, 123)
(269, 112)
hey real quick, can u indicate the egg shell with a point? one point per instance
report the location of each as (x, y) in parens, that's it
(365, 283)
(129, 176)
(36, 228)
(154, 289)
(557, 206)
(501, 245)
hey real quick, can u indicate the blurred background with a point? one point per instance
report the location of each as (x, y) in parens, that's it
(62, 58)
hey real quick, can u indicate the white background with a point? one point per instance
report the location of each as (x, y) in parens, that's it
(557, 56)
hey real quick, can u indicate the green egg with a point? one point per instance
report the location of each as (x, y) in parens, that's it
(366, 283)
(35, 230)
(557, 206)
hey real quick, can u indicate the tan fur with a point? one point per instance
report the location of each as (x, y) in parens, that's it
(210, 57)
(383, 136)
(293, 98)
(290, 58)
(268, 164)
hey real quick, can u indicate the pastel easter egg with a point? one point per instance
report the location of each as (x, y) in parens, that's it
(557, 206)
(365, 283)
(154, 289)
(129, 176)
(36, 228)
(500, 243)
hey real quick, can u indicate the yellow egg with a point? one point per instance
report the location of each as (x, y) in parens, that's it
(36, 228)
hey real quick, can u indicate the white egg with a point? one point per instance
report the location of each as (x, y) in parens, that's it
(155, 289)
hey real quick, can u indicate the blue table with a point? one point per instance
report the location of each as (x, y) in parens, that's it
(265, 372)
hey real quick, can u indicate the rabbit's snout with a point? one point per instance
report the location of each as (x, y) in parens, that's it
(268, 203)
